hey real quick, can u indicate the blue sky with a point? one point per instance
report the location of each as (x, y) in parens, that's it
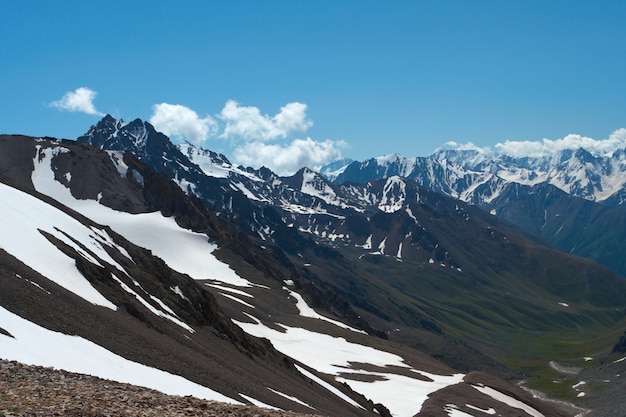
(295, 82)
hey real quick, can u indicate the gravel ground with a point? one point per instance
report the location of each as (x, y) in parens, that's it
(38, 391)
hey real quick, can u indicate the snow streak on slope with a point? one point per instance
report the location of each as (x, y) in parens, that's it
(168, 314)
(313, 185)
(35, 345)
(24, 217)
(336, 356)
(181, 249)
(289, 397)
(213, 165)
(306, 311)
(327, 386)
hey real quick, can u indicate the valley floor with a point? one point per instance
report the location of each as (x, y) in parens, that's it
(39, 391)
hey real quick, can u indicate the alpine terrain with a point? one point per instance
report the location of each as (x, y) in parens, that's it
(554, 196)
(391, 290)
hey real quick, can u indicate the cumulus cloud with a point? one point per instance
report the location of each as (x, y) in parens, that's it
(547, 147)
(79, 100)
(288, 158)
(468, 146)
(247, 122)
(249, 132)
(182, 123)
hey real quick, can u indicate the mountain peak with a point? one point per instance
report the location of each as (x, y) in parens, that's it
(389, 159)
(109, 119)
(108, 126)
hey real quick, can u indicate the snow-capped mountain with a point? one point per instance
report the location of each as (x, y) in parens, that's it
(458, 173)
(357, 286)
(333, 169)
(505, 185)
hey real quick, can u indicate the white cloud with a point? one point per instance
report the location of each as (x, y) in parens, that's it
(79, 100)
(545, 147)
(182, 123)
(289, 158)
(247, 122)
(250, 130)
(468, 146)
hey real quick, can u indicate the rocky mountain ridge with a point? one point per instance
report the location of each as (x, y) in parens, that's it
(539, 194)
(460, 173)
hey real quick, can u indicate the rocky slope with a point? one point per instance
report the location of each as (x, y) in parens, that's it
(39, 391)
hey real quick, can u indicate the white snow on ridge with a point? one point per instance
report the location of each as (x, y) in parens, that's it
(34, 345)
(249, 194)
(394, 195)
(299, 209)
(24, 216)
(183, 250)
(201, 157)
(314, 186)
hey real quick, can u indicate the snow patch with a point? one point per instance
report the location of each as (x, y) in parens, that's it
(336, 356)
(512, 402)
(75, 354)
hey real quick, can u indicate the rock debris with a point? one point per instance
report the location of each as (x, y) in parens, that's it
(38, 391)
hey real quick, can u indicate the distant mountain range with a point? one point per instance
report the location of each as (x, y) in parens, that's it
(377, 293)
(572, 198)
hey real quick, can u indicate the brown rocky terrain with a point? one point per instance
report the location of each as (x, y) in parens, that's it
(39, 391)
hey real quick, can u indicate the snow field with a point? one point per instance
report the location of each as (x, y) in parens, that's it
(24, 217)
(183, 250)
(404, 396)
